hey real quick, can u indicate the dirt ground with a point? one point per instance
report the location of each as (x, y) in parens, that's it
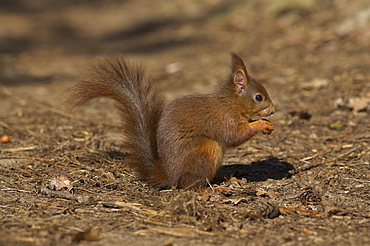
(305, 184)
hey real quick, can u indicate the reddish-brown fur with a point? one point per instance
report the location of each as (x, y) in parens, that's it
(181, 145)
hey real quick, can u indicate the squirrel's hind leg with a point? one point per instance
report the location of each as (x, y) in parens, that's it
(202, 163)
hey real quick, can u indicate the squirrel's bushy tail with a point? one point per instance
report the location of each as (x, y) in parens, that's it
(140, 106)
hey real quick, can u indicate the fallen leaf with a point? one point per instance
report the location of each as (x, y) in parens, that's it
(269, 193)
(336, 126)
(60, 183)
(300, 211)
(286, 211)
(315, 83)
(358, 103)
(235, 201)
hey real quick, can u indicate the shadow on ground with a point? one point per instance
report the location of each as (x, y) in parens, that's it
(270, 168)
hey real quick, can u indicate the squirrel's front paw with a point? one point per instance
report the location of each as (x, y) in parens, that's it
(267, 127)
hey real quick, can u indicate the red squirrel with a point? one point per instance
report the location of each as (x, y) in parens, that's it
(180, 145)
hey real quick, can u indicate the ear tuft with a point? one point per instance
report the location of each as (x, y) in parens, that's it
(237, 64)
(239, 74)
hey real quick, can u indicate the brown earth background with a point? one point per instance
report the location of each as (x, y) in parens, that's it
(306, 184)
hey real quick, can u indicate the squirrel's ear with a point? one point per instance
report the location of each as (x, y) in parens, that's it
(239, 74)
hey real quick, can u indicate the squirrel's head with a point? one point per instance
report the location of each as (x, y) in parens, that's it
(250, 91)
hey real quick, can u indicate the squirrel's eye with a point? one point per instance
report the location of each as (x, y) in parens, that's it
(259, 98)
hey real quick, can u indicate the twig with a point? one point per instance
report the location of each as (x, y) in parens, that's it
(347, 153)
(309, 157)
(157, 223)
(67, 195)
(304, 167)
(118, 204)
(4, 124)
(19, 149)
(25, 157)
(49, 108)
(176, 232)
(210, 185)
(12, 189)
(358, 180)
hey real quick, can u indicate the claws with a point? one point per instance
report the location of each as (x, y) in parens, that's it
(267, 128)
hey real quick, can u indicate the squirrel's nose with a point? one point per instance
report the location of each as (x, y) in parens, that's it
(268, 111)
(272, 109)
